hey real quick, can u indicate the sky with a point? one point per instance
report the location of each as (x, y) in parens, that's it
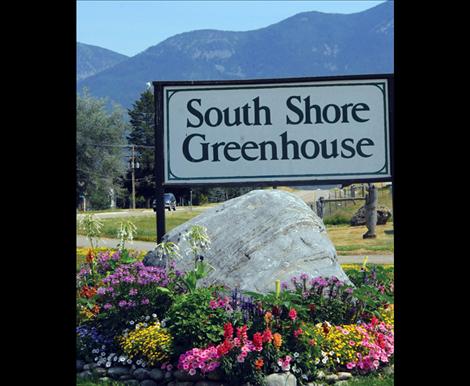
(130, 27)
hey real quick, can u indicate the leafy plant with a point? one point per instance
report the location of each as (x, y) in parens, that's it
(91, 226)
(193, 323)
(126, 232)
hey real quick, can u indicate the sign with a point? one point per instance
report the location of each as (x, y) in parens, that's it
(275, 131)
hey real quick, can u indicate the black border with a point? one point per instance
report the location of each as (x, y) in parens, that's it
(159, 128)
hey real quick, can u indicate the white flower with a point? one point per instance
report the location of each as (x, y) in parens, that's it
(131, 322)
(96, 359)
(332, 353)
(108, 364)
(122, 358)
(147, 317)
(103, 354)
(337, 360)
(115, 359)
(296, 355)
(324, 360)
(138, 362)
(154, 315)
(317, 361)
(129, 361)
(103, 347)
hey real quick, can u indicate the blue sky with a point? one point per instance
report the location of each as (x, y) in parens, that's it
(130, 27)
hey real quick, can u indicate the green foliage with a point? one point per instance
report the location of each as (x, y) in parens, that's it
(91, 226)
(127, 231)
(337, 219)
(99, 161)
(142, 121)
(193, 323)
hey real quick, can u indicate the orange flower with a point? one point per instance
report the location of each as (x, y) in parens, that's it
(312, 342)
(268, 317)
(259, 363)
(277, 340)
(95, 309)
(90, 257)
(88, 292)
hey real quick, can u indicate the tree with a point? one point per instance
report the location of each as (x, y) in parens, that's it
(100, 151)
(142, 120)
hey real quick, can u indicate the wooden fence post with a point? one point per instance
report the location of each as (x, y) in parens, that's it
(371, 212)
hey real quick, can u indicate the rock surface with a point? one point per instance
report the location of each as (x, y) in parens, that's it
(383, 214)
(281, 379)
(259, 237)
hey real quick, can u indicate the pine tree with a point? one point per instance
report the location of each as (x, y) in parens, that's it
(142, 120)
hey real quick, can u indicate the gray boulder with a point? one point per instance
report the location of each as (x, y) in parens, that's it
(281, 379)
(153, 260)
(259, 237)
(383, 215)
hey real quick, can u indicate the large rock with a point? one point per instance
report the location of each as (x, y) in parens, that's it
(281, 379)
(259, 237)
(383, 214)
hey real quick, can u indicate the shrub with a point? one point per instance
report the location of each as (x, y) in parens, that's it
(336, 219)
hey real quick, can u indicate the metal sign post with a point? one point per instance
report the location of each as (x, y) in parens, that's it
(159, 166)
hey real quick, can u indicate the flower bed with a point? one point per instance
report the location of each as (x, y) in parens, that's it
(149, 324)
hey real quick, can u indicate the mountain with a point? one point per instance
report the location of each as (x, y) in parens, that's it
(92, 59)
(307, 44)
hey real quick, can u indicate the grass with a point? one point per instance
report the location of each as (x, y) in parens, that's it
(348, 240)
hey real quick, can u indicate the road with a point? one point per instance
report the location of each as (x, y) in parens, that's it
(147, 246)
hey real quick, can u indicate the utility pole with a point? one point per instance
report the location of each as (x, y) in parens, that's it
(134, 165)
(133, 177)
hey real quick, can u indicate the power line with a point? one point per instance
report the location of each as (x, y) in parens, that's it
(116, 145)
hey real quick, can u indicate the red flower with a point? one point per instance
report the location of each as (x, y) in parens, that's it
(267, 336)
(298, 332)
(258, 341)
(374, 321)
(224, 347)
(312, 342)
(293, 314)
(326, 330)
(228, 331)
(241, 333)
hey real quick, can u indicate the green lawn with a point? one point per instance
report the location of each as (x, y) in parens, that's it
(346, 239)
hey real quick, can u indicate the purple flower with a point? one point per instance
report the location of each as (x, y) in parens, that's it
(133, 291)
(122, 303)
(101, 291)
(303, 276)
(284, 285)
(145, 301)
(107, 306)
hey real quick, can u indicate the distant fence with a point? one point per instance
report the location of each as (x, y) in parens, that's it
(338, 197)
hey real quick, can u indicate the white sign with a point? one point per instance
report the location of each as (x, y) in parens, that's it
(299, 131)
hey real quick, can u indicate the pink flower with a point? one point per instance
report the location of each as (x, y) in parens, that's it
(350, 365)
(192, 372)
(293, 314)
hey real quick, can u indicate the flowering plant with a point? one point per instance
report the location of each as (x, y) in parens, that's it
(151, 344)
